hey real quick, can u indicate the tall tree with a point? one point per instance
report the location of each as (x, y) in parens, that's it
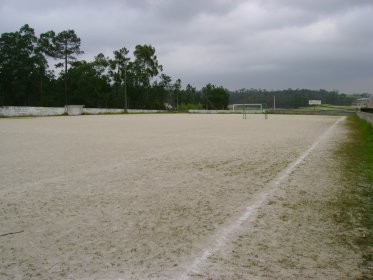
(216, 97)
(191, 95)
(22, 65)
(206, 90)
(144, 68)
(177, 91)
(88, 85)
(146, 64)
(65, 46)
(165, 84)
(118, 70)
(219, 98)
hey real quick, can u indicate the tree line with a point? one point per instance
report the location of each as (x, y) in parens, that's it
(26, 79)
(120, 81)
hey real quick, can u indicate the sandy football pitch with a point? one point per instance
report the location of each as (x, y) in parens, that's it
(171, 196)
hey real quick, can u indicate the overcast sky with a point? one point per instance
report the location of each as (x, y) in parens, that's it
(269, 44)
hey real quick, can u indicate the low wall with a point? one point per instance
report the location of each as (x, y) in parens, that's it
(19, 111)
(74, 110)
(95, 111)
(145, 111)
(366, 116)
(210, 111)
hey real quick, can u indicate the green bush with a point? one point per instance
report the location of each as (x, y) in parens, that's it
(367, 110)
(190, 106)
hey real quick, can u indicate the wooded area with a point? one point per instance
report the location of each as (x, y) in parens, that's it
(26, 79)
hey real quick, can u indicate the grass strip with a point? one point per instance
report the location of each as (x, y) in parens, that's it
(356, 201)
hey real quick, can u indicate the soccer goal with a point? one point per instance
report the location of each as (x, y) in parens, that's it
(249, 109)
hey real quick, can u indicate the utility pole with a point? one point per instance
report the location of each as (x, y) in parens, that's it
(274, 103)
(177, 100)
(125, 88)
(207, 99)
(65, 76)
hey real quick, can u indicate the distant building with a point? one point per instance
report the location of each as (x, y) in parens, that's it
(361, 102)
(370, 102)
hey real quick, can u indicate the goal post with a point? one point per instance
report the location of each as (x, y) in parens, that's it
(249, 108)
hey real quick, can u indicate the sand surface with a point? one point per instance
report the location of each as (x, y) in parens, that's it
(143, 196)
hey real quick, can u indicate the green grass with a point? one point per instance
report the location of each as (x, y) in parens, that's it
(356, 202)
(324, 109)
(329, 107)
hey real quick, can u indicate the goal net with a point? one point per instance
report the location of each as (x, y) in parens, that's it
(248, 108)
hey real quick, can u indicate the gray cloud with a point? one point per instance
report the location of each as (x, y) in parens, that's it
(260, 44)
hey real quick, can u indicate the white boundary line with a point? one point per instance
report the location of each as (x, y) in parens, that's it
(223, 235)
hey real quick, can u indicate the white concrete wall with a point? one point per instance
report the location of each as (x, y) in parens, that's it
(95, 111)
(370, 102)
(74, 110)
(366, 116)
(118, 111)
(145, 111)
(17, 111)
(210, 111)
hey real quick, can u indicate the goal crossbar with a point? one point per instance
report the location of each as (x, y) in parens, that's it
(248, 108)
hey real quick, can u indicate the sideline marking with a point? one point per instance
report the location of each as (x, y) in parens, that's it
(222, 236)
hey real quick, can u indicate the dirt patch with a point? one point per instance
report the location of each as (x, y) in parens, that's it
(297, 234)
(140, 196)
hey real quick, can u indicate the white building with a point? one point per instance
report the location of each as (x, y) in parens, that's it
(361, 102)
(370, 102)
